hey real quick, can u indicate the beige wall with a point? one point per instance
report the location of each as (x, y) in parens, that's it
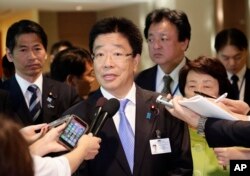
(4, 24)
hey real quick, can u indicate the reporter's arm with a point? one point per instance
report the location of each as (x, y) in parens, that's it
(224, 155)
(30, 133)
(225, 133)
(87, 148)
(48, 143)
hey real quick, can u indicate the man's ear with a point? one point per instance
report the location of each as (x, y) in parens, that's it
(70, 80)
(136, 60)
(9, 55)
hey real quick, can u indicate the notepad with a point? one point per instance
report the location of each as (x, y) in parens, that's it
(206, 108)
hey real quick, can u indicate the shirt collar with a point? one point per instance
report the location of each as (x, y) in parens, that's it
(24, 84)
(174, 74)
(240, 74)
(131, 94)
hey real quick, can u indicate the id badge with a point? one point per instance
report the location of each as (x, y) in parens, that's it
(160, 146)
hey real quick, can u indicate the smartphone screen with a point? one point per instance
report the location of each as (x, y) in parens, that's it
(73, 131)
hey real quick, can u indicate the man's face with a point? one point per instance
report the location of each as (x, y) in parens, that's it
(164, 47)
(114, 64)
(83, 83)
(232, 58)
(28, 56)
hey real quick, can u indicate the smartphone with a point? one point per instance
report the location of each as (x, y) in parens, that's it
(75, 128)
(59, 121)
(162, 100)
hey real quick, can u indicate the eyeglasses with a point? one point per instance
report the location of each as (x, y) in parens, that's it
(116, 56)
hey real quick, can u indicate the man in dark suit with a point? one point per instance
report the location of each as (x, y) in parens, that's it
(218, 132)
(232, 50)
(26, 44)
(5, 102)
(159, 143)
(168, 33)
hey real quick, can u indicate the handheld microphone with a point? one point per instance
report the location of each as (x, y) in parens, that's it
(99, 106)
(109, 109)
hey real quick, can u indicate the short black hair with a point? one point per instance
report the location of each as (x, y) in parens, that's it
(176, 17)
(231, 36)
(117, 25)
(24, 27)
(69, 61)
(8, 67)
(206, 65)
(55, 47)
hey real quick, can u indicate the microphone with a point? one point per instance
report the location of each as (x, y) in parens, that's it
(100, 102)
(109, 109)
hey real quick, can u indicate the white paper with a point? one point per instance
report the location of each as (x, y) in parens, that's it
(206, 108)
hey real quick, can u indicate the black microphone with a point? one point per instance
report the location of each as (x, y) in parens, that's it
(109, 109)
(99, 104)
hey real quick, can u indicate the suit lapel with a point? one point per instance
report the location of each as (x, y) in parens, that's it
(49, 100)
(18, 102)
(144, 126)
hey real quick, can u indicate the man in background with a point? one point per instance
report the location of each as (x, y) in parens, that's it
(232, 50)
(168, 34)
(35, 99)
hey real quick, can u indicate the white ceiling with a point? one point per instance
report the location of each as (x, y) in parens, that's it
(9, 6)
(64, 5)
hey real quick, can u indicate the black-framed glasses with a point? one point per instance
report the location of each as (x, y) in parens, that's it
(116, 56)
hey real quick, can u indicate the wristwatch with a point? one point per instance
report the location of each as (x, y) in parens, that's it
(201, 126)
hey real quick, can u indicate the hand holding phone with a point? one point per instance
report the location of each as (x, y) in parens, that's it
(162, 100)
(59, 121)
(75, 128)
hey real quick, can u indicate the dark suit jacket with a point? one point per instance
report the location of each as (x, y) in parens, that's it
(146, 79)
(4, 101)
(247, 87)
(62, 97)
(111, 159)
(224, 133)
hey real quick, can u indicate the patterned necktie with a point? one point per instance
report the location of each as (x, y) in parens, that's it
(167, 81)
(235, 87)
(126, 135)
(34, 104)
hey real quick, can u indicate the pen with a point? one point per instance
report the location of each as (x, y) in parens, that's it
(221, 97)
(203, 94)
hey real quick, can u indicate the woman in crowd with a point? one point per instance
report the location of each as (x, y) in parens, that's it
(205, 75)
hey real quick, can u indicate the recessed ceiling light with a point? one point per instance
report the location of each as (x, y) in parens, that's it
(78, 8)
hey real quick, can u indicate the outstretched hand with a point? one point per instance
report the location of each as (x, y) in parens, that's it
(34, 132)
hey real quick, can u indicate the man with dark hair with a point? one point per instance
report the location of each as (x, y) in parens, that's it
(59, 46)
(74, 66)
(130, 137)
(232, 50)
(168, 33)
(8, 68)
(35, 99)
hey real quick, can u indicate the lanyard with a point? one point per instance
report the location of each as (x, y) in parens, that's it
(175, 90)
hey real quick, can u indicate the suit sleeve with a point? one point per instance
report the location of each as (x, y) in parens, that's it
(224, 133)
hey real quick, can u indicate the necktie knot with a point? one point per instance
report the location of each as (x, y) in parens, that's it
(32, 88)
(235, 78)
(167, 81)
(123, 104)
